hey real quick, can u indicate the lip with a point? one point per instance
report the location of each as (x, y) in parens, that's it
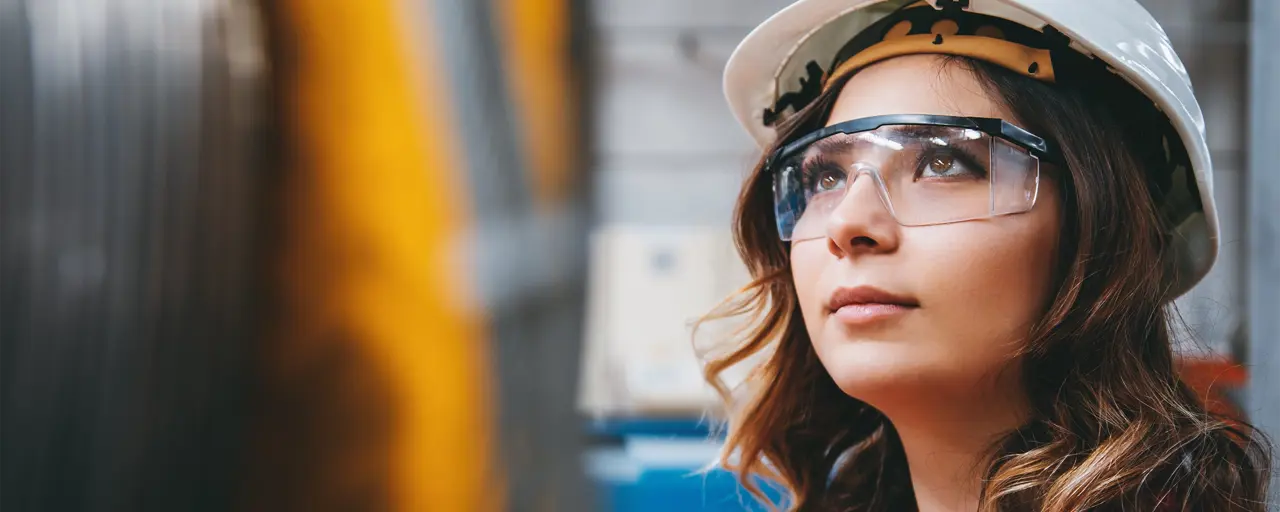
(867, 304)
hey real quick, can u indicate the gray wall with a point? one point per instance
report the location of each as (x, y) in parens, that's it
(1264, 244)
(667, 147)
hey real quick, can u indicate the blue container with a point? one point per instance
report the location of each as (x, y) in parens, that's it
(662, 465)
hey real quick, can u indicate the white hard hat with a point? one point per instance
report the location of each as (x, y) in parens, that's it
(788, 56)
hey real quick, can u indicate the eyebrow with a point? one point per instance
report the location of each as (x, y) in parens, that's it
(834, 143)
(840, 142)
(899, 132)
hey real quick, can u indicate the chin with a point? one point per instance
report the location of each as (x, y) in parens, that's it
(876, 371)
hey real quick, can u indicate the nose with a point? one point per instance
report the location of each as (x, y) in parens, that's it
(862, 222)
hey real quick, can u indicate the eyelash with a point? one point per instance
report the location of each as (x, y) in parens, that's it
(817, 166)
(820, 164)
(965, 156)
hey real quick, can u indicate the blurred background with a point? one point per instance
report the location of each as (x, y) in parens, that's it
(437, 254)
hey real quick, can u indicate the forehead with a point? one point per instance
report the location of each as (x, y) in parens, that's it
(914, 84)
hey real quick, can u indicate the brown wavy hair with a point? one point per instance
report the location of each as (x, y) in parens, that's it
(1112, 425)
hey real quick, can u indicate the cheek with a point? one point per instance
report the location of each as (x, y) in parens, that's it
(985, 284)
(809, 260)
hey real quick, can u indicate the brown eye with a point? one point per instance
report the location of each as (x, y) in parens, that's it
(940, 164)
(829, 180)
(948, 166)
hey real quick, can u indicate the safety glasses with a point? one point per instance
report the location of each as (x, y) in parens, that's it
(926, 169)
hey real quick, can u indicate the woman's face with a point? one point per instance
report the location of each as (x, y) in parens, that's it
(978, 286)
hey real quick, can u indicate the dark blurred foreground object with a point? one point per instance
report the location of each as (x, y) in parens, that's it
(131, 178)
(230, 260)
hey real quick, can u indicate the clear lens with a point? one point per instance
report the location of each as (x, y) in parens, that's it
(924, 175)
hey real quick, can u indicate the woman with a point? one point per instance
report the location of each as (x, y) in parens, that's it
(966, 235)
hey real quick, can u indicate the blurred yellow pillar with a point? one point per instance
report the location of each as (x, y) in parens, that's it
(376, 396)
(542, 80)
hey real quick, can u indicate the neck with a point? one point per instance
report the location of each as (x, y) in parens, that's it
(949, 448)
